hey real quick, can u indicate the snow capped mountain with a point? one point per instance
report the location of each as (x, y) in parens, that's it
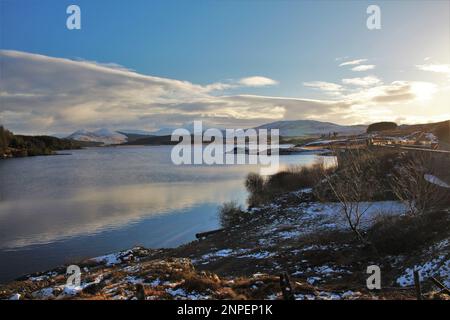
(103, 135)
(165, 131)
(310, 127)
(287, 129)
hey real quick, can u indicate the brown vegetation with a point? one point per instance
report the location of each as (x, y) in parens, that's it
(263, 190)
(408, 183)
(403, 234)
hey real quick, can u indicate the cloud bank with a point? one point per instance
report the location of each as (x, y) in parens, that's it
(42, 94)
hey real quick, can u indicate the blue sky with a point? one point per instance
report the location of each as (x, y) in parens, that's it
(297, 44)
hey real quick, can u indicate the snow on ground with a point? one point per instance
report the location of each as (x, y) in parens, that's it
(15, 297)
(321, 273)
(113, 258)
(183, 295)
(431, 137)
(43, 294)
(435, 180)
(327, 295)
(133, 280)
(316, 216)
(258, 255)
(438, 266)
(229, 253)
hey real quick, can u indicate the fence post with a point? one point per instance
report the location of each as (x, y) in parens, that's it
(140, 293)
(417, 285)
(286, 287)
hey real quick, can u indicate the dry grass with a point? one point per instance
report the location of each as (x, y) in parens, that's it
(264, 190)
(405, 234)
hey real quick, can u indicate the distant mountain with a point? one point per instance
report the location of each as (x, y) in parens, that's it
(296, 128)
(136, 132)
(103, 135)
(165, 131)
(152, 141)
(131, 137)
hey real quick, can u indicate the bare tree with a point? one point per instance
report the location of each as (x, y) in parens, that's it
(353, 183)
(410, 185)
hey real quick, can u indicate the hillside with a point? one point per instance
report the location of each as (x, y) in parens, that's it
(12, 145)
(150, 140)
(311, 127)
(440, 129)
(103, 135)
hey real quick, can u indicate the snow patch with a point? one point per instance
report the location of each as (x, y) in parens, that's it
(15, 296)
(435, 180)
(438, 267)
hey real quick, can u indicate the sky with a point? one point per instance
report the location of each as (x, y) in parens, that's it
(153, 64)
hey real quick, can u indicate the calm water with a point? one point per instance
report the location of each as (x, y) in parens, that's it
(59, 209)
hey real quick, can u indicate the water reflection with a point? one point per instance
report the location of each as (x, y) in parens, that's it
(55, 210)
(93, 210)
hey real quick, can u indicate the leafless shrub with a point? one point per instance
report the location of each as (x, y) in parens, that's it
(254, 183)
(410, 185)
(231, 214)
(353, 183)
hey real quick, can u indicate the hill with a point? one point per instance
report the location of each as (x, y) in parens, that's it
(103, 135)
(150, 140)
(296, 128)
(12, 145)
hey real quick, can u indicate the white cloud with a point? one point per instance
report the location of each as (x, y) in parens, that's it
(438, 68)
(329, 87)
(352, 62)
(363, 82)
(41, 94)
(363, 67)
(393, 93)
(257, 81)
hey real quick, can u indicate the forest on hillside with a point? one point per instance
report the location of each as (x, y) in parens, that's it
(12, 145)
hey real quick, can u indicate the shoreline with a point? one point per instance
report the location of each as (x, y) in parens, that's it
(290, 235)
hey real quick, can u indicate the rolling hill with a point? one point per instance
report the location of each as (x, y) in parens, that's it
(297, 128)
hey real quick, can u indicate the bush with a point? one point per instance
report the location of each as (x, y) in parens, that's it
(376, 168)
(410, 186)
(254, 183)
(263, 190)
(401, 234)
(231, 214)
(381, 126)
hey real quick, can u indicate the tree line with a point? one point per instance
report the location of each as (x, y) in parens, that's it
(12, 145)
